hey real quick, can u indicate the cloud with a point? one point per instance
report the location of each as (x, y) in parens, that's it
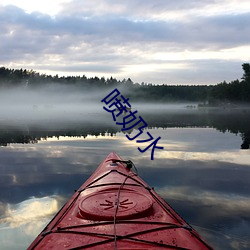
(116, 30)
(147, 9)
(115, 38)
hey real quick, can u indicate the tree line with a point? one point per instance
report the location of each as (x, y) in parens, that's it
(236, 91)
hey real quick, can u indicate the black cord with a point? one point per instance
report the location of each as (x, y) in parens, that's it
(129, 164)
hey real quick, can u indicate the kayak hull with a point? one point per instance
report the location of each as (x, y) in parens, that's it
(116, 209)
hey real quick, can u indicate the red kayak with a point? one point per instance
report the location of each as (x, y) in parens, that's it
(116, 209)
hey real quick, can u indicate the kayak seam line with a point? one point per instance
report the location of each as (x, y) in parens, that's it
(173, 212)
(44, 233)
(166, 208)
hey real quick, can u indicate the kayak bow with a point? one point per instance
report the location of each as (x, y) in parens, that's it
(116, 209)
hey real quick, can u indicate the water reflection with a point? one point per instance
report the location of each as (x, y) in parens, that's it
(29, 211)
(202, 172)
(99, 123)
(21, 221)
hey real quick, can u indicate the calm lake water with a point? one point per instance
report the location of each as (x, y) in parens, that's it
(203, 172)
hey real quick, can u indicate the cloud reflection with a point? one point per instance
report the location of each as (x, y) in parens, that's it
(228, 203)
(22, 222)
(29, 211)
(235, 156)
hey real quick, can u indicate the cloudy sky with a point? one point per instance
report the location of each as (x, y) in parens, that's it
(157, 41)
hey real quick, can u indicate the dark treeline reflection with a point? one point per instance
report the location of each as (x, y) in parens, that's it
(233, 121)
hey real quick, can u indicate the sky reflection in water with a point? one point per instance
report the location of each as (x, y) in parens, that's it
(201, 173)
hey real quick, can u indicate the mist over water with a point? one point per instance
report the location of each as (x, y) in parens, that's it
(31, 114)
(58, 103)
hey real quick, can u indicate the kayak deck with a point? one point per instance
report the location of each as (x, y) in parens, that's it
(116, 209)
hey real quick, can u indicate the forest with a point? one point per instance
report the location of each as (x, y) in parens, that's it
(224, 93)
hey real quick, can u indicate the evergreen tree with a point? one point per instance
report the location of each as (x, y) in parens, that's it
(246, 69)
